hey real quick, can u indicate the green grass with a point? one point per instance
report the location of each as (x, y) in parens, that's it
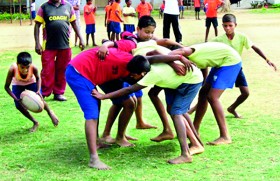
(61, 153)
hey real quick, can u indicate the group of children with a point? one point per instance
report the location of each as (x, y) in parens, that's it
(122, 68)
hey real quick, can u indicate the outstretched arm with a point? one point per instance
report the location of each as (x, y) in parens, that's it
(258, 51)
(118, 93)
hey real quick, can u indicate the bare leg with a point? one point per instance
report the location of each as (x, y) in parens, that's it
(87, 37)
(52, 115)
(139, 117)
(113, 35)
(213, 99)
(167, 132)
(91, 129)
(216, 31)
(112, 115)
(202, 105)
(207, 33)
(193, 109)
(117, 36)
(125, 115)
(240, 99)
(181, 130)
(196, 146)
(93, 40)
(30, 117)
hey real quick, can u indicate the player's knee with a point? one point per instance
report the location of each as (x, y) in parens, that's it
(130, 104)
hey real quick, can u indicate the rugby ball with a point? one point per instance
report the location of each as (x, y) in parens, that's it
(32, 101)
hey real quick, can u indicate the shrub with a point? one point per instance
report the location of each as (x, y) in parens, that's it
(7, 16)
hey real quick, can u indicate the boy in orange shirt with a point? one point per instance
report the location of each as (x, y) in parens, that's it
(115, 20)
(211, 7)
(144, 8)
(89, 15)
(107, 17)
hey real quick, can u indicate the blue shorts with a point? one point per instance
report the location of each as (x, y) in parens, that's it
(82, 88)
(18, 89)
(33, 14)
(90, 28)
(129, 28)
(137, 93)
(223, 77)
(214, 21)
(115, 85)
(115, 27)
(181, 98)
(181, 8)
(241, 80)
(109, 27)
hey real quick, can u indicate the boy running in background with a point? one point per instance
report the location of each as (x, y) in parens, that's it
(107, 18)
(211, 7)
(24, 75)
(238, 41)
(129, 17)
(89, 15)
(144, 8)
(115, 20)
(181, 10)
(32, 11)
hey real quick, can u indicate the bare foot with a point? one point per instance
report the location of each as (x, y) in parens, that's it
(232, 111)
(54, 118)
(220, 141)
(94, 45)
(98, 164)
(180, 159)
(145, 126)
(108, 139)
(124, 143)
(34, 127)
(163, 136)
(131, 138)
(196, 150)
(101, 145)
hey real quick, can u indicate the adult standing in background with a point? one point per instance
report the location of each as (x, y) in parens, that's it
(171, 16)
(76, 7)
(56, 17)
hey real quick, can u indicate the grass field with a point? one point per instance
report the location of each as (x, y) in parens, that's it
(61, 153)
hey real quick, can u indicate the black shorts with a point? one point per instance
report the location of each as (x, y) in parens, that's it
(197, 9)
(241, 80)
(214, 21)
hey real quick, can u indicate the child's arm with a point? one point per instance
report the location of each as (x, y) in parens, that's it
(103, 49)
(118, 15)
(118, 93)
(9, 78)
(38, 79)
(166, 42)
(258, 51)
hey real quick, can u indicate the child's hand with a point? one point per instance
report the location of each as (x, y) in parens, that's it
(38, 49)
(188, 64)
(179, 69)
(82, 45)
(271, 64)
(96, 94)
(102, 52)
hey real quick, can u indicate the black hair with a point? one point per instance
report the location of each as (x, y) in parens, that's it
(146, 21)
(229, 18)
(24, 58)
(126, 1)
(138, 64)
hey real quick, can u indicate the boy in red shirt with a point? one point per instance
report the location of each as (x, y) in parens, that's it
(211, 7)
(144, 8)
(89, 15)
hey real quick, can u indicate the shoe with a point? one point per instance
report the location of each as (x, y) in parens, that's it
(59, 97)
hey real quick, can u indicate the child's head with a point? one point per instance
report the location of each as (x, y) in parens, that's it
(143, 1)
(89, 1)
(229, 23)
(24, 61)
(138, 66)
(145, 28)
(128, 3)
